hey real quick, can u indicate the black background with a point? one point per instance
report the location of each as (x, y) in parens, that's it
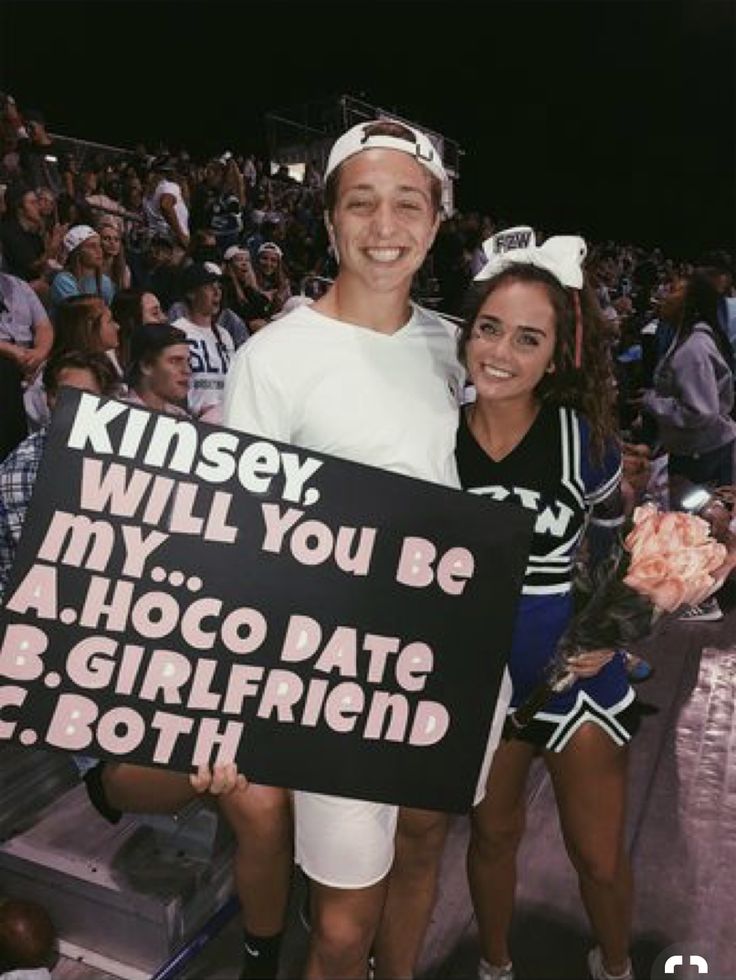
(614, 119)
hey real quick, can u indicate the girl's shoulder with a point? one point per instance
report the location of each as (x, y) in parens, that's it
(700, 342)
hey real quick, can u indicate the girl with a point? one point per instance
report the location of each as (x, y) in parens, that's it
(541, 433)
(113, 252)
(692, 402)
(131, 308)
(271, 279)
(82, 323)
(692, 398)
(83, 268)
(85, 323)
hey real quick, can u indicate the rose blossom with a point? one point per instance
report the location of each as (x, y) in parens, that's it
(668, 595)
(672, 555)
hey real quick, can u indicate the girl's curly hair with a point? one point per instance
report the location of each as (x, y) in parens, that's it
(589, 389)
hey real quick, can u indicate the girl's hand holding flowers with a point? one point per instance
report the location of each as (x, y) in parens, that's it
(668, 560)
(588, 663)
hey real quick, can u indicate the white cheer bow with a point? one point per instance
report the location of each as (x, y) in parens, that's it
(561, 255)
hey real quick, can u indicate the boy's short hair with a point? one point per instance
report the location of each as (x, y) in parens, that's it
(100, 366)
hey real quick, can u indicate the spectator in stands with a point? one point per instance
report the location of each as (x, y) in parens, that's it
(263, 226)
(39, 154)
(718, 267)
(47, 208)
(167, 212)
(210, 348)
(81, 323)
(93, 193)
(73, 211)
(160, 275)
(271, 279)
(240, 289)
(86, 323)
(218, 202)
(250, 174)
(11, 132)
(27, 940)
(137, 235)
(693, 392)
(133, 194)
(203, 247)
(604, 271)
(692, 403)
(27, 252)
(130, 309)
(113, 252)
(26, 333)
(76, 369)
(83, 268)
(158, 372)
(25, 340)
(225, 317)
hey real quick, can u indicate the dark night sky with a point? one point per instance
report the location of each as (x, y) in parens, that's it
(615, 119)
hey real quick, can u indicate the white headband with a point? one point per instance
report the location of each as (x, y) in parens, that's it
(562, 255)
(356, 140)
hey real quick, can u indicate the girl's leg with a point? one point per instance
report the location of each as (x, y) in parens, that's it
(412, 887)
(497, 825)
(590, 782)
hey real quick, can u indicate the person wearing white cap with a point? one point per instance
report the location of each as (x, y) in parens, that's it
(366, 375)
(82, 272)
(271, 279)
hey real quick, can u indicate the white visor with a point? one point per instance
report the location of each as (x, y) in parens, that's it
(356, 140)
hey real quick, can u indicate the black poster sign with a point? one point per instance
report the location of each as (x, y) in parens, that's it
(185, 594)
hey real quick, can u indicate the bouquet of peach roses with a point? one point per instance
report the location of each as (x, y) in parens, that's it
(665, 562)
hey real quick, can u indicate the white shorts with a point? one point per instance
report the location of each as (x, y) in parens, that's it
(343, 843)
(347, 843)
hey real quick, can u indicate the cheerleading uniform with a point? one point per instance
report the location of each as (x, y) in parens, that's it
(551, 472)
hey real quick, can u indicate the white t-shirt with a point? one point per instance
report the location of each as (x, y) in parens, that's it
(152, 205)
(210, 354)
(388, 400)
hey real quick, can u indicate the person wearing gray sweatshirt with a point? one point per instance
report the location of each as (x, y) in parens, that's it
(693, 393)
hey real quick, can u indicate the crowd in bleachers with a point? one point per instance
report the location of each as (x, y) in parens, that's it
(221, 247)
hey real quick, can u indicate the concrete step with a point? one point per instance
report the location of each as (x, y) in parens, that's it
(132, 893)
(29, 781)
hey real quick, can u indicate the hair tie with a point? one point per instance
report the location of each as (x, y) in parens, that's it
(578, 329)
